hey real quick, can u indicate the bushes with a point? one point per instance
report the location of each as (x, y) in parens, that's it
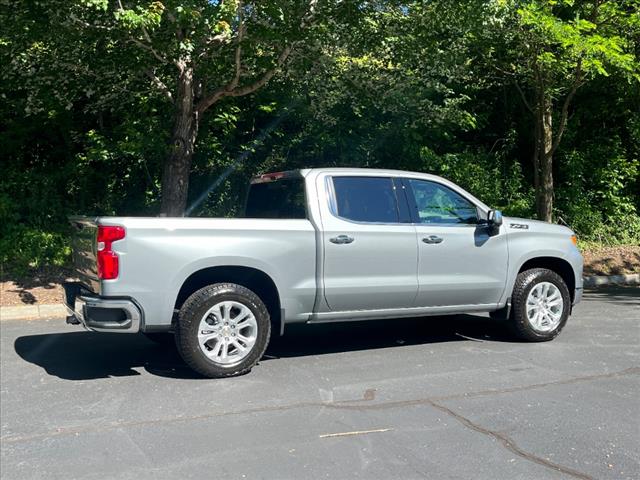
(600, 207)
(25, 248)
(596, 195)
(56, 166)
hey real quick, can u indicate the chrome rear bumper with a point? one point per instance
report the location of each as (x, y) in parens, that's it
(100, 314)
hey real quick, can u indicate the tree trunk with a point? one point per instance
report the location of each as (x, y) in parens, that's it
(542, 111)
(537, 139)
(177, 165)
(544, 197)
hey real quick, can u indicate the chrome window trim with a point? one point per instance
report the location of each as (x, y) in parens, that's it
(334, 210)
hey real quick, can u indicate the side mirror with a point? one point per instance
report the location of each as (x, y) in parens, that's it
(494, 218)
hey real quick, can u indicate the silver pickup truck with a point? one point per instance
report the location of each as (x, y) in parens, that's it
(320, 245)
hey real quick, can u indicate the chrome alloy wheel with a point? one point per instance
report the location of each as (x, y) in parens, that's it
(545, 307)
(227, 332)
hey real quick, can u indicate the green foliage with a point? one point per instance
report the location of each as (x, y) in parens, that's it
(563, 34)
(597, 198)
(552, 40)
(426, 86)
(23, 248)
(496, 180)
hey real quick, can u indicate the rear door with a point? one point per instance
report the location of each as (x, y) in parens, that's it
(460, 260)
(370, 251)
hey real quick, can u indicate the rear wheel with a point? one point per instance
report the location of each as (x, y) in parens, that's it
(223, 330)
(540, 305)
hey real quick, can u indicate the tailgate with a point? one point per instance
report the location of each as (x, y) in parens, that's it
(84, 247)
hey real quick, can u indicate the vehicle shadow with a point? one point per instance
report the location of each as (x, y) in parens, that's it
(87, 355)
(83, 355)
(318, 339)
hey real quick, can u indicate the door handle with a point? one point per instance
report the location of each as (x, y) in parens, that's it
(341, 239)
(432, 239)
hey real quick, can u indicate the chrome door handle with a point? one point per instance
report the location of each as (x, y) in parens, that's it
(341, 239)
(432, 239)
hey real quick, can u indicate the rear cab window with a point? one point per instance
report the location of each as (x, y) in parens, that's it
(277, 195)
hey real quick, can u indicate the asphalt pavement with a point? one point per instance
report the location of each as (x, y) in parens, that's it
(440, 397)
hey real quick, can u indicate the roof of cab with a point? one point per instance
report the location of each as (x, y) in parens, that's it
(305, 172)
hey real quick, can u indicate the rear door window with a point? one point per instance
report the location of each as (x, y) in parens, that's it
(366, 199)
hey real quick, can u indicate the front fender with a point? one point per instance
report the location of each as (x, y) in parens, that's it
(525, 247)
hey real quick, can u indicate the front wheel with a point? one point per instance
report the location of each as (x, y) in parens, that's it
(223, 330)
(540, 305)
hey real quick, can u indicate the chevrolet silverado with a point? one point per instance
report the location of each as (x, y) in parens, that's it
(320, 245)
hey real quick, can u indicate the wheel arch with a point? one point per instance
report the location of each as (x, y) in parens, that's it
(252, 278)
(555, 264)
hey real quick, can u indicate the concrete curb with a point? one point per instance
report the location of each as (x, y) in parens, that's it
(34, 312)
(597, 280)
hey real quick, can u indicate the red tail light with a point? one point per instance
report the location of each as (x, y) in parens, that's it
(108, 265)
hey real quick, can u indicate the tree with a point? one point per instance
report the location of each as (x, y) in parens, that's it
(383, 89)
(86, 121)
(194, 53)
(188, 37)
(556, 46)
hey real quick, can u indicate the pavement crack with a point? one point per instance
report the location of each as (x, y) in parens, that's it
(567, 381)
(509, 444)
(363, 403)
(483, 393)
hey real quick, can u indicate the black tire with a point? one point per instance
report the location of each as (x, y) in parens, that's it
(161, 338)
(192, 312)
(518, 321)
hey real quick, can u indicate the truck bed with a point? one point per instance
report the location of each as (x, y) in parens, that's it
(158, 255)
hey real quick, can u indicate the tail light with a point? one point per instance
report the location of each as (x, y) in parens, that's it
(108, 265)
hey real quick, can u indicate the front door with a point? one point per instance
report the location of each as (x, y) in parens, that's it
(460, 261)
(370, 251)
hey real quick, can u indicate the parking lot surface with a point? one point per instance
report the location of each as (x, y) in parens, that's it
(445, 397)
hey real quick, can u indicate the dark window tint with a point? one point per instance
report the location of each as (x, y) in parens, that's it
(438, 204)
(366, 199)
(280, 199)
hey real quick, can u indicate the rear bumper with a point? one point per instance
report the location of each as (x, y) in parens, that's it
(101, 314)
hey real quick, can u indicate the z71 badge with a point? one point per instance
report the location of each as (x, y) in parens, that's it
(519, 226)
